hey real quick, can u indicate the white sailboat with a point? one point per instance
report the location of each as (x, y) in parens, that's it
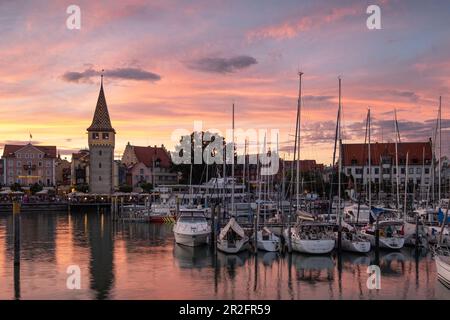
(191, 229)
(354, 241)
(265, 239)
(309, 236)
(232, 238)
(391, 232)
(350, 238)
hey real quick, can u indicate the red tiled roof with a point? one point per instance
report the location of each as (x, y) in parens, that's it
(147, 155)
(10, 149)
(357, 153)
(80, 155)
(307, 165)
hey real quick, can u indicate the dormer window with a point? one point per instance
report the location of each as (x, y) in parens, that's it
(95, 135)
(105, 136)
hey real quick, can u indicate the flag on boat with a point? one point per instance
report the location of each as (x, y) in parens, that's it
(441, 216)
(375, 213)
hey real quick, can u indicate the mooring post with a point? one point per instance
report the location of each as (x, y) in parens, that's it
(16, 234)
(417, 231)
(213, 225)
(255, 232)
(377, 242)
(289, 234)
(339, 239)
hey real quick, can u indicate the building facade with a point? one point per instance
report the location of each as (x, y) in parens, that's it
(29, 164)
(355, 163)
(148, 165)
(79, 168)
(101, 139)
(62, 172)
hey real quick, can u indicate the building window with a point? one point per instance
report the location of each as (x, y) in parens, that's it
(419, 170)
(19, 164)
(411, 170)
(100, 152)
(40, 163)
(95, 135)
(99, 178)
(402, 170)
(349, 171)
(141, 171)
(377, 170)
(427, 170)
(105, 136)
(47, 163)
(100, 165)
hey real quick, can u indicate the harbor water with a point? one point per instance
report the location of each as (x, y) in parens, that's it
(141, 261)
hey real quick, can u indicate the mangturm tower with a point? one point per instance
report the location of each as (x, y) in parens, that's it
(101, 148)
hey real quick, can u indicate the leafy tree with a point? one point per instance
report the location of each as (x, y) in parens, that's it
(16, 187)
(198, 170)
(35, 188)
(125, 188)
(146, 187)
(82, 187)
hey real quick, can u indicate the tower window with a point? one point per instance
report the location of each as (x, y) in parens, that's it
(100, 165)
(99, 178)
(100, 152)
(106, 135)
(95, 135)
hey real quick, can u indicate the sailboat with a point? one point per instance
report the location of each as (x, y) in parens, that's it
(350, 237)
(232, 238)
(308, 235)
(442, 256)
(391, 229)
(265, 239)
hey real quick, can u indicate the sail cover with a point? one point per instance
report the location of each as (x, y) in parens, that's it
(233, 225)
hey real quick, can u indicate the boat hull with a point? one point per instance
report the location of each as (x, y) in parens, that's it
(393, 243)
(191, 240)
(313, 246)
(268, 245)
(235, 247)
(355, 246)
(443, 269)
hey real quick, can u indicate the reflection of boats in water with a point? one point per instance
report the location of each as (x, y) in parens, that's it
(314, 268)
(231, 260)
(355, 259)
(191, 229)
(268, 258)
(192, 257)
(309, 236)
(391, 263)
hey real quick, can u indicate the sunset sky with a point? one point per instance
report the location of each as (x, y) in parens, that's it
(170, 63)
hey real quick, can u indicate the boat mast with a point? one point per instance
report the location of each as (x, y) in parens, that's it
(440, 149)
(232, 165)
(422, 176)
(397, 139)
(406, 188)
(298, 135)
(340, 158)
(370, 167)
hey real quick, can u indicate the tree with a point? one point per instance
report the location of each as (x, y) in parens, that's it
(16, 187)
(82, 187)
(35, 188)
(146, 187)
(198, 170)
(125, 188)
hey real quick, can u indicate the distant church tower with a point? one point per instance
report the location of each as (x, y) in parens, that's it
(101, 148)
